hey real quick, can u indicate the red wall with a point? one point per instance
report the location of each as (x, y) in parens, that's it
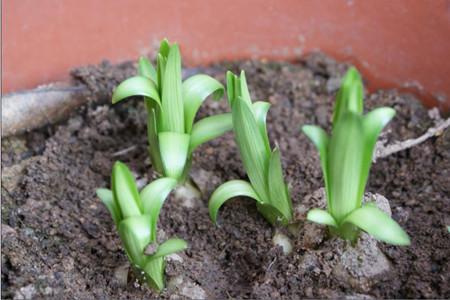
(395, 42)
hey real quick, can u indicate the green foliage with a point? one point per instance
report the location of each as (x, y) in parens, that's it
(136, 216)
(346, 158)
(171, 109)
(263, 165)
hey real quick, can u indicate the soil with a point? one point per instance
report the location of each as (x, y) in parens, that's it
(59, 241)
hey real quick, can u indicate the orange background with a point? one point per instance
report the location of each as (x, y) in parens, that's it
(396, 43)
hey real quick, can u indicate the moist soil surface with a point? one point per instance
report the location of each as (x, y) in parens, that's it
(59, 241)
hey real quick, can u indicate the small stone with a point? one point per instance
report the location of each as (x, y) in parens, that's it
(184, 288)
(313, 235)
(283, 241)
(381, 202)
(206, 181)
(121, 274)
(48, 291)
(26, 292)
(7, 230)
(174, 282)
(12, 176)
(141, 182)
(193, 292)
(359, 267)
(309, 292)
(333, 84)
(357, 296)
(322, 115)
(151, 249)
(162, 236)
(315, 200)
(175, 258)
(309, 263)
(402, 215)
(188, 196)
(68, 264)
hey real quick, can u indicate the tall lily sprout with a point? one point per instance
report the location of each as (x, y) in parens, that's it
(135, 216)
(263, 165)
(346, 158)
(171, 108)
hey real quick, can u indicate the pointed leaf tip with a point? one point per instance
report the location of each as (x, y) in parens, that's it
(321, 216)
(350, 95)
(108, 200)
(164, 47)
(170, 246)
(378, 224)
(172, 98)
(146, 69)
(125, 190)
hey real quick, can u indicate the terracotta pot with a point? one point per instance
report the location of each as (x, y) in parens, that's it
(403, 43)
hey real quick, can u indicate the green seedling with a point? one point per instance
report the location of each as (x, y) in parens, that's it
(171, 108)
(135, 216)
(263, 166)
(346, 158)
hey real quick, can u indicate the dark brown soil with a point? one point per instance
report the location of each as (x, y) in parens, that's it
(59, 241)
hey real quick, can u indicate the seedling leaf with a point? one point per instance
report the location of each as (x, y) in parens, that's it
(373, 123)
(350, 95)
(231, 88)
(125, 191)
(152, 136)
(345, 165)
(228, 190)
(164, 48)
(169, 247)
(244, 93)
(108, 199)
(262, 166)
(260, 109)
(375, 222)
(135, 234)
(346, 158)
(195, 90)
(161, 62)
(209, 128)
(172, 100)
(320, 139)
(146, 69)
(279, 197)
(153, 197)
(174, 149)
(251, 147)
(136, 86)
(321, 216)
(154, 268)
(271, 213)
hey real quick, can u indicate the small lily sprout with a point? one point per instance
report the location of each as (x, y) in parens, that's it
(135, 216)
(171, 108)
(346, 158)
(263, 165)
